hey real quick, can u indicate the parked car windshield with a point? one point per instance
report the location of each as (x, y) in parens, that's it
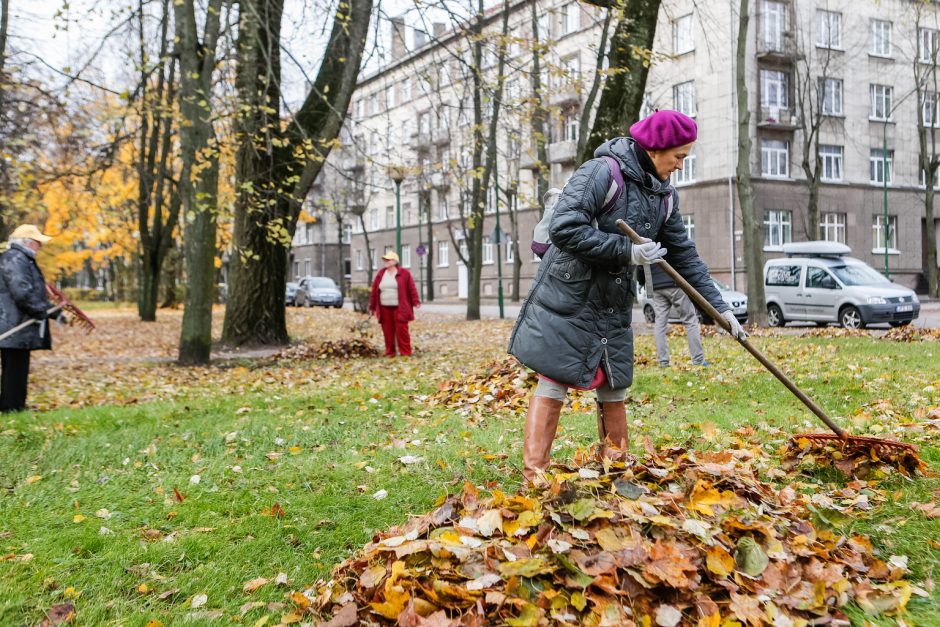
(858, 274)
(721, 286)
(320, 283)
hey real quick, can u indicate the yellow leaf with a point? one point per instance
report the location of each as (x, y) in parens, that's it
(709, 621)
(78, 518)
(143, 588)
(33, 478)
(153, 622)
(719, 561)
(295, 450)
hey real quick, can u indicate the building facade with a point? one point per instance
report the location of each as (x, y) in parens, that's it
(845, 71)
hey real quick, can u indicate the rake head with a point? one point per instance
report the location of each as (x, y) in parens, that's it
(65, 304)
(853, 455)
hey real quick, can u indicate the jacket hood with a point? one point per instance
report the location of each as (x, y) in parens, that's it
(623, 149)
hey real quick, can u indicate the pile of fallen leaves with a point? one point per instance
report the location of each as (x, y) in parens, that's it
(502, 385)
(912, 334)
(680, 537)
(836, 332)
(855, 457)
(706, 330)
(338, 349)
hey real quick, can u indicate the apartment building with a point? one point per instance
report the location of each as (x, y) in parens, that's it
(848, 69)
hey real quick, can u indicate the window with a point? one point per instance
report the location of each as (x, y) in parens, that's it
(510, 252)
(774, 89)
(687, 174)
(784, 276)
(487, 250)
(443, 254)
(406, 90)
(358, 259)
(877, 167)
(406, 256)
(682, 37)
(930, 108)
(296, 269)
(880, 38)
(361, 108)
(922, 181)
(683, 96)
(408, 214)
(818, 278)
(570, 17)
(830, 96)
(881, 97)
(878, 234)
(831, 157)
(373, 104)
(778, 229)
(388, 248)
(572, 124)
(347, 233)
(929, 42)
(828, 29)
(442, 213)
(832, 227)
(773, 24)
(390, 217)
(774, 158)
(689, 223)
(374, 218)
(570, 70)
(390, 97)
(424, 123)
(372, 257)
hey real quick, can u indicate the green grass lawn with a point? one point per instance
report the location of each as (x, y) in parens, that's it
(285, 481)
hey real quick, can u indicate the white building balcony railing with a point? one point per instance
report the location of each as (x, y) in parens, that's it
(777, 117)
(564, 95)
(562, 152)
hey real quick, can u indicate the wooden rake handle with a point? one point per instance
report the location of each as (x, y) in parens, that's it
(708, 308)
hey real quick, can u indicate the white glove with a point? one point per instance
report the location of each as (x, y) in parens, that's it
(646, 253)
(737, 331)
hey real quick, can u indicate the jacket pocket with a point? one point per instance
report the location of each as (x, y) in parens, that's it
(566, 285)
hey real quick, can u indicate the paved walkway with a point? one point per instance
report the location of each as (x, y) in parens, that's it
(929, 312)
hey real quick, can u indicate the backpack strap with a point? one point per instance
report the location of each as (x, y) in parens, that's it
(616, 185)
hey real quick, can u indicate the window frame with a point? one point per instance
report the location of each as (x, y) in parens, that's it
(683, 34)
(831, 91)
(770, 83)
(827, 24)
(885, 38)
(443, 254)
(836, 157)
(773, 25)
(878, 236)
(684, 98)
(827, 226)
(779, 222)
(770, 155)
(885, 99)
(876, 163)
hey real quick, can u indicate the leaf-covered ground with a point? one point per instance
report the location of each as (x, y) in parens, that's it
(147, 492)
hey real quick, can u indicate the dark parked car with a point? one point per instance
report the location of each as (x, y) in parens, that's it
(290, 294)
(318, 290)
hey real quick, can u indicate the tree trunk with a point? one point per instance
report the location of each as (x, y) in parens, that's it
(753, 239)
(200, 175)
(622, 97)
(514, 238)
(539, 114)
(584, 125)
(275, 167)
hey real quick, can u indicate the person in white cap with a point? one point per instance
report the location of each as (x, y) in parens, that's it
(393, 300)
(22, 298)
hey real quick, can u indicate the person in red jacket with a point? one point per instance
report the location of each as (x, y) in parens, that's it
(393, 300)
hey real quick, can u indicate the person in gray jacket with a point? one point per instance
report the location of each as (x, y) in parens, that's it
(22, 298)
(666, 295)
(574, 328)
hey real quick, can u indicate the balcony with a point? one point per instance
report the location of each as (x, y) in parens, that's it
(356, 200)
(421, 141)
(777, 117)
(784, 49)
(354, 165)
(564, 95)
(441, 137)
(562, 152)
(440, 180)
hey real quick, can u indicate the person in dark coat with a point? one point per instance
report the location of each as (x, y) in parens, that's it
(393, 300)
(574, 328)
(22, 298)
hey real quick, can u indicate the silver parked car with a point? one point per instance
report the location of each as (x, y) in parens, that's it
(318, 290)
(818, 282)
(736, 300)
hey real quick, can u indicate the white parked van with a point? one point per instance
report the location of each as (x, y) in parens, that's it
(818, 282)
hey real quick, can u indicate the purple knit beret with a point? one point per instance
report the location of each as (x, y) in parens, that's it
(663, 130)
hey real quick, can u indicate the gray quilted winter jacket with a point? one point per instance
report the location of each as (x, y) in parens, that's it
(578, 313)
(23, 296)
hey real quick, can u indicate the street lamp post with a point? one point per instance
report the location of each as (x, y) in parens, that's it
(397, 174)
(884, 204)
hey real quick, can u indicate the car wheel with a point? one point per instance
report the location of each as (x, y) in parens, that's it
(775, 316)
(649, 314)
(900, 323)
(851, 318)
